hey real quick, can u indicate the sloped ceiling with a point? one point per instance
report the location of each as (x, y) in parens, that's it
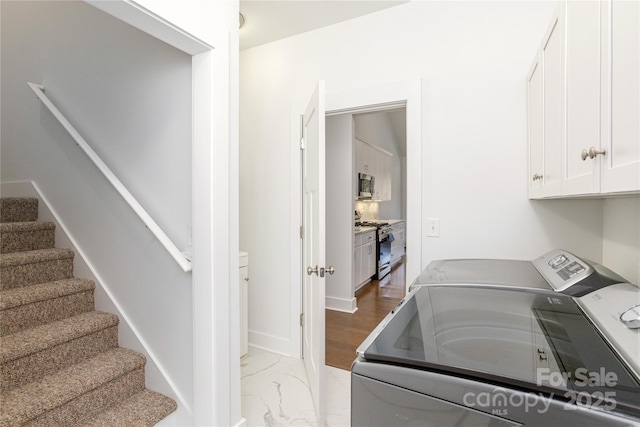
(266, 21)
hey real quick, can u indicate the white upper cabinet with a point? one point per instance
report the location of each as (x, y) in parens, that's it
(621, 89)
(584, 102)
(374, 161)
(582, 28)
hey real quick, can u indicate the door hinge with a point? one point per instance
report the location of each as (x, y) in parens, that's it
(301, 319)
(301, 232)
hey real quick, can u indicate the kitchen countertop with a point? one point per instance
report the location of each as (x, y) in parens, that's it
(393, 221)
(359, 230)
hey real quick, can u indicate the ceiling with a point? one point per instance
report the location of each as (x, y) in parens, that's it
(266, 21)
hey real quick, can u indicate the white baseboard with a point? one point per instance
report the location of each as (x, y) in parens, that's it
(341, 304)
(272, 343)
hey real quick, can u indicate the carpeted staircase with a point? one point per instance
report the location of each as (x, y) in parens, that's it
(60, 363)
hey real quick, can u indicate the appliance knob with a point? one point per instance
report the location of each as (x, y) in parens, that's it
(631, 317)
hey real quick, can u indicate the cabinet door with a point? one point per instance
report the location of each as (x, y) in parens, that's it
(385, 166)
(582, 80)
(534, 95)
(357, 266)
(397, 246)
(552, 89)
(621, 84)
(244, 311)
(369, 254)
(373, 158)
(363, 158)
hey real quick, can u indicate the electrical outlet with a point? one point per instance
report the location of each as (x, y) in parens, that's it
(433, 227)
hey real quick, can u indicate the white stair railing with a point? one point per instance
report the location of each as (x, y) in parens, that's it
(181, 258)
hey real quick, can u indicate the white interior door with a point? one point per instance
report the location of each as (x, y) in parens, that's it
(313, 245)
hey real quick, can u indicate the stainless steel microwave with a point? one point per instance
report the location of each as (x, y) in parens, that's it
(366, 185)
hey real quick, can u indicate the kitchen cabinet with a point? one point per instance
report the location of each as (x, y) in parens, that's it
(364, 258)
(244, 303)
(584, 102)
(398, 244)
(374, 161)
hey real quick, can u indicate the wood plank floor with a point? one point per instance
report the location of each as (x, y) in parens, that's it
(345, 332)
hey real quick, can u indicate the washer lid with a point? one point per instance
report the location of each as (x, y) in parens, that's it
(534, 340)
(499, 272)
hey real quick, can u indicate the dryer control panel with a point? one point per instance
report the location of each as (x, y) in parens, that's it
(562, 269)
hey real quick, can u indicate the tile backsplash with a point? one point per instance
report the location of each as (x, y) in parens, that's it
(368, 210)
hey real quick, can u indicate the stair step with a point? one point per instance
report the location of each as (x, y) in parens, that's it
(29, 268)
(33, 353)
(144, 409)
(78, 393)
(26, 236)
(18, 209)
(30, 306)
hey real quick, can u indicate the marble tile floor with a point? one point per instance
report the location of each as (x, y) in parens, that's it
(275, 392)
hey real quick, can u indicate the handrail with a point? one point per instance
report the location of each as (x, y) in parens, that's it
(181, 258)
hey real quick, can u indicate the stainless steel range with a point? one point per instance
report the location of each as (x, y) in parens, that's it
(384, 238)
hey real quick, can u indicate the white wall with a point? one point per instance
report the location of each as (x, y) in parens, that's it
(472, 58)
(377, 129)
(339, 212)
(621, 243)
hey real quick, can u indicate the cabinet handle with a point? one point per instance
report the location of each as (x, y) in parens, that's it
(592, 153)
(536, 177)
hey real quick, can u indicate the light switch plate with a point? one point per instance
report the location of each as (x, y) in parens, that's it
(433, 227)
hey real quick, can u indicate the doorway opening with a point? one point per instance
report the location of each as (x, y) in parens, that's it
(369, 259)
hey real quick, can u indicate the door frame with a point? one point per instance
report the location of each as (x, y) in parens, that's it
(359, 100)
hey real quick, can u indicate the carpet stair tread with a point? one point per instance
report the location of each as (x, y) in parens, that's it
(26, 236)
(18, 269)
(35, 256)
(33, 399)
(35, 305)
(17, 209)
(144, 409)
(17, 297)
(49, 335)
(17, 227)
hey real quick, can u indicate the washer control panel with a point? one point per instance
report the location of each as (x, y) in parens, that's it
(631, 317)
(562, 269)
(614, 310)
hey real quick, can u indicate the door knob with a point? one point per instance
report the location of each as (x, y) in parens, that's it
(310, 270)
(330, 270)
(592, 153)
